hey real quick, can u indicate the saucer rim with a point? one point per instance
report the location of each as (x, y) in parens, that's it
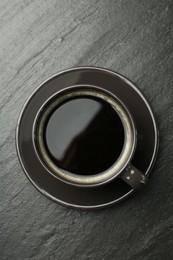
(155, 151)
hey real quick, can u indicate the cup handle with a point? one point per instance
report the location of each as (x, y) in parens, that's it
(133, 177)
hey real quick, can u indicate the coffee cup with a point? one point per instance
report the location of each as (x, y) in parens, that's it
(86, 136)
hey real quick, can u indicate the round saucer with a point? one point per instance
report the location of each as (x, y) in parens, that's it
(93, 197)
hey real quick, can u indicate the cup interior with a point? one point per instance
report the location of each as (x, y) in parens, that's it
(84, 136)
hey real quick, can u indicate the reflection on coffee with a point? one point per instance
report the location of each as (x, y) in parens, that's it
(84, 135)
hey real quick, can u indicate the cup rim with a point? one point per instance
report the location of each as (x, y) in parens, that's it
(119, 165)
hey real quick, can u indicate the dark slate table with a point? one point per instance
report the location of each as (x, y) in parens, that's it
(41, 37)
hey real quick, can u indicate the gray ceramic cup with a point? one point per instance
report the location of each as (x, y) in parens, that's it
(122, 167)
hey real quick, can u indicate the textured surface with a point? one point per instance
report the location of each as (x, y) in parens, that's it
(39, 38)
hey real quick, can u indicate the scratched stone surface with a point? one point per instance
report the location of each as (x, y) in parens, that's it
(41, 37)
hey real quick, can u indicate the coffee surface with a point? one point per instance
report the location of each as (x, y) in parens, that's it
(84, 136)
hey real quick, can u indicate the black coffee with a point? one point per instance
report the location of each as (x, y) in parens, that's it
(84, 135)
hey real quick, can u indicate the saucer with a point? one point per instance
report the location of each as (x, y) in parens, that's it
(90, 197)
